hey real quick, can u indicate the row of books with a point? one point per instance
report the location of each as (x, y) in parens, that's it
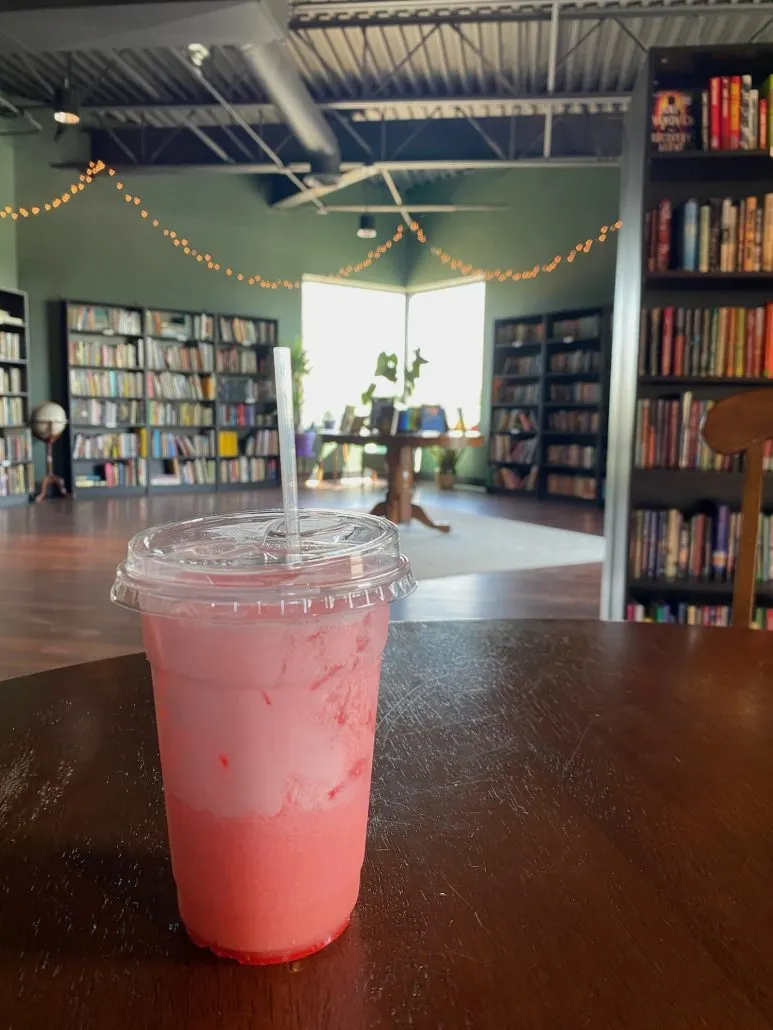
(16, 447)
(11, 380)
(573, 421)
(515, 420)
(718, 235)
(181, 357)
(583, 487)
(508, 479)
(576, 361)
(10, 347)
(723, 342)
(524, 365)
(176, 445)
(579, 393)
(114, 474)
(729, 114)
(101, 354)
(110, 414)
(11, 412)
(247, 331)
(683, 614)
(511, 334)
(670, 544)
(239, 415)
(97, 319)
(108, 383)
(587, 327)
(573, 455)
(199, 472)
(107, 445)
(180, 413)
(246, 391)
(249, 470)
(503, 447)
(173, 386)
(247, 362)
(16, 480)
(505, 392)
(264, 443)
(175, 325)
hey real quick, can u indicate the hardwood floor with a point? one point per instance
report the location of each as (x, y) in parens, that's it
(57, 562)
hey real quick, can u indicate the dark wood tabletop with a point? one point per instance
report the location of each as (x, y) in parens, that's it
(571, 827)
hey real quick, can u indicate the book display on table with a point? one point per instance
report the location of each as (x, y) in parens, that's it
(167, 401)
(248, 447)
(548, 405)
(695, 279)
(17, 475)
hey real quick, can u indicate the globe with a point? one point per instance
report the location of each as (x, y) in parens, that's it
(48, 421)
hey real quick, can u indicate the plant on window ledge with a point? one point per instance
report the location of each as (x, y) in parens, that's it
(386, 368)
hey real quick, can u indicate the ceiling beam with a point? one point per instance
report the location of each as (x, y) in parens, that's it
(392, 187)
(348, 178)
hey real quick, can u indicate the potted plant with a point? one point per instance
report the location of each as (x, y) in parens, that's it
(446, 463)
(300, 368)
(386, 368)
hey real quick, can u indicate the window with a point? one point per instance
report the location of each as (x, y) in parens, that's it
(345, 328)
(447, 325)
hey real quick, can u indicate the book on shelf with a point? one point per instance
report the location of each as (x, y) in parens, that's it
(571, 421)
(249, 470)
(684, 614)
(729, 113)
(576, 361)
(177, 445)
(505, 448)
(572, 455)
(16, 480)
(247, 331)
(180, 326)
(696, 547)
(12, 412)
(103, 319)
(10, 347)
(107, 383)
(575, 330)
(106, 445)
(180, 413)
(719, 235)
(6, 318)
(246, 391)
(16, 447)
(513, 334)
(263, 443)
(582, 487)
(198, 472)
(508, 479)
(93, 353)
(237, 360)
(574, 393)
(179, 357)
(505, 392)
(513, 420)
(11, 381)
(112, 475)
(110, 414)
(521, 365)
(173, 386)
(237, 414)
(725, 343)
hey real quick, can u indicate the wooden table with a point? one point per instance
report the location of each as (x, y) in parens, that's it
(398, 505)
(571, 827)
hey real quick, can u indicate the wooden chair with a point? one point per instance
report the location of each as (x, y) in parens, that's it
(742, 423)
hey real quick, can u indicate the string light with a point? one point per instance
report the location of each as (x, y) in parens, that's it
(95, 169)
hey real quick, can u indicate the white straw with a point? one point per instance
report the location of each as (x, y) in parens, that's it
(286, 426)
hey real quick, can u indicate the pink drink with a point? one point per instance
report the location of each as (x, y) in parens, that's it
(266, 717)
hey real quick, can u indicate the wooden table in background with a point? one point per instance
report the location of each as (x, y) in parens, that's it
(571, 826)
(398, 506)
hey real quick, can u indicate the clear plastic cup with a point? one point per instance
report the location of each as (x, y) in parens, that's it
(265, 680)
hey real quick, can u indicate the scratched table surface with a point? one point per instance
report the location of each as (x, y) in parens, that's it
(571, 827)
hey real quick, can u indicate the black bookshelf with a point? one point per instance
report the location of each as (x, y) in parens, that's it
(659, 462)
(17, 473)
(167, 436)
(549, 399)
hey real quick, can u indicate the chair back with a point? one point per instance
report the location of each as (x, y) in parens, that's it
(741, 424)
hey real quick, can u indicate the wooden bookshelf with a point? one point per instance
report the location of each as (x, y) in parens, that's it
(549, 398)
(703, 335)
(164, 435)
(17, 472)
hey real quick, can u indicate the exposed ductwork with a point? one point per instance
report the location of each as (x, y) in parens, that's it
(284, 86)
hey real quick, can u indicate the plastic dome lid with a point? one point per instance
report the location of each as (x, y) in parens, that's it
(238, 564)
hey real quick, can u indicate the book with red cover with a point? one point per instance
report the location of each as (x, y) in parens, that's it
(678, 361)
(763, 123)
(664, 235)
(734, 114)
(768, 370)
(759, 342)
(724, 113)
(715, 116)
(668, 342)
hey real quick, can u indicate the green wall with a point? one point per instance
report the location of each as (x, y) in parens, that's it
(8, 274)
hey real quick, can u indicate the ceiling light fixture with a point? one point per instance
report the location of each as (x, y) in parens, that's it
(367, 229)
(66, 101)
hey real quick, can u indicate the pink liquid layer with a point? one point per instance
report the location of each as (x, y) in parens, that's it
(264, 890)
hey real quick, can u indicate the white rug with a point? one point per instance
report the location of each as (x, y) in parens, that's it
(483, 543)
